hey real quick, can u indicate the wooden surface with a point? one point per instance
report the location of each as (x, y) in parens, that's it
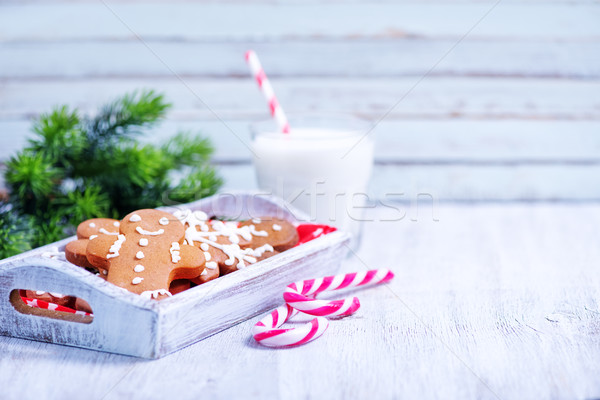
(484, 100)
(489, 302)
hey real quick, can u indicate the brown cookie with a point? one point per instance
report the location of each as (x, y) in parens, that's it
(75, 251)
(147, 255)
(279, 233)
(82, 305)
(179, 285)
(96, 226)
(228, 266)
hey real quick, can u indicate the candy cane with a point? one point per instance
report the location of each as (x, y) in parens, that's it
(266, 333)
(300, 295)
(265, 86)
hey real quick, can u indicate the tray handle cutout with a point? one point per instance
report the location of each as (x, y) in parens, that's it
(33, 304)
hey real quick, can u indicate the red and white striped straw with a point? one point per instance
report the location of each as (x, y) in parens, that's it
(265, 86)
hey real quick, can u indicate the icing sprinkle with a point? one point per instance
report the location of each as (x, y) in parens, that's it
(139, 268)
(104, 231)
(174, 250)
(207, 255)
(92, 225)
(142, 231)
(204, 272)
(116, 246)
(153, 294)
(104, 272)
(164, 221)
(116, 223)
(135, 218)
(209, 237)
(257, 233)
(211, 265)
(139, 255)
(137, 280)
(143, 242)
(276, 227)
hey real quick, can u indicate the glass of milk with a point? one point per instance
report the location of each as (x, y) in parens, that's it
(321, 167)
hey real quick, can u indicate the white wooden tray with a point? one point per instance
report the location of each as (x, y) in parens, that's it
(126, 323)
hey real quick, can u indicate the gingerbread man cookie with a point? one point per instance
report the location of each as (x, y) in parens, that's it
(147, 254)
(75, 251)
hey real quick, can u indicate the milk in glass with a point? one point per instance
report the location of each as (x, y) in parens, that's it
(323, 172)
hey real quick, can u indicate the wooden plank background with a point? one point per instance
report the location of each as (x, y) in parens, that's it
(511, 111)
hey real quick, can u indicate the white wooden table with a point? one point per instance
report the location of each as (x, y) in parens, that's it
(490, 302)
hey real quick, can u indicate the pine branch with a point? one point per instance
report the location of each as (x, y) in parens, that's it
(15, 232)
(77, 168)
(124, 118)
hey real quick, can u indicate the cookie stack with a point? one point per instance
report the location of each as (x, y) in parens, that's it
(156, 254)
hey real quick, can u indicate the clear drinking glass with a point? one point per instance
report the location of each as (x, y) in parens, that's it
(321, 167)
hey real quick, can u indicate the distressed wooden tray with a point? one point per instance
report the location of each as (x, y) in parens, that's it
(126, 323)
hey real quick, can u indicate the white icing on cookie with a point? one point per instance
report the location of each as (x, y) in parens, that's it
(135, 218)
(257, 233)
(137, 280)
(276, 227)
(153, 294)
(164, 221)
(143, 242)
(174, 250)
(39, 292)
(207, 255)
(92, 225)
(211, 265)
(57, 295)
(116, 224)
(93, 237)
(139, 268)
(102, 230)
(116, 246)
(230, 230)
(256, 220)
(142, 231)
(139, 255)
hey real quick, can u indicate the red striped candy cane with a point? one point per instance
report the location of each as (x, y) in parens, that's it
(265, 86)
(266, 330)
(300, 295)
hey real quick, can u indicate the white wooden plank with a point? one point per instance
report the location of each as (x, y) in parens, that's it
(464, 320)
(456, 182)
(290, 58)
(474, 98)
(410, 141)
(269, 21)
